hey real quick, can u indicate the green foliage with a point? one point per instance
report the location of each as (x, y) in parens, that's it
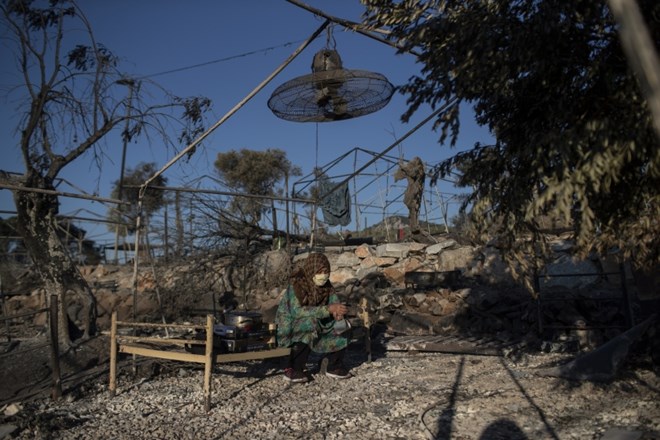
(40, 18)
(550, 80)
(84, 58)
(194, 109)
(254, 173)
(152, 201)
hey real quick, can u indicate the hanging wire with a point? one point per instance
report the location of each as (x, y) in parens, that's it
(330, 42)
(219, 60)
(316, 156)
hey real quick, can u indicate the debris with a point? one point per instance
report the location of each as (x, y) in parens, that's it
(603, 363)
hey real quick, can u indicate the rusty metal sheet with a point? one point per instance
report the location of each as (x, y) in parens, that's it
(447, 344)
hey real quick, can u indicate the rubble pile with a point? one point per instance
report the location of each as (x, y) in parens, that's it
(411, 288)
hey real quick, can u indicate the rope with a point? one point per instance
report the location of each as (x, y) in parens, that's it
(330, 42)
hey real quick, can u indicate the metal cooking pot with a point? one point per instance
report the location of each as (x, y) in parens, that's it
(243, 320)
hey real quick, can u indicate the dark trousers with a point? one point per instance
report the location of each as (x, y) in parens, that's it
(298, 357)
(336, 359)
(300, 352)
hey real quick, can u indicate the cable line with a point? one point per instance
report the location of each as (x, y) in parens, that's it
(207, 63)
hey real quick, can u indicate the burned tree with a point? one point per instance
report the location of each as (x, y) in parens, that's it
(71, 102)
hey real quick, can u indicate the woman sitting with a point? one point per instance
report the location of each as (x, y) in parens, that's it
(306, 318)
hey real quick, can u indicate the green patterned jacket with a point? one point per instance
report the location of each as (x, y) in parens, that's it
(310, 325)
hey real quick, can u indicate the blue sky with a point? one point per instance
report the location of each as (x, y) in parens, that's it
(154, 36)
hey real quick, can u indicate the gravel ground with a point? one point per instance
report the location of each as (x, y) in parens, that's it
(399, 395)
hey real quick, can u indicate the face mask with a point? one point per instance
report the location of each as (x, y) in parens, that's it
(321, 278)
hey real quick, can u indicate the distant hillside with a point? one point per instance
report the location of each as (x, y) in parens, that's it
(389, 226)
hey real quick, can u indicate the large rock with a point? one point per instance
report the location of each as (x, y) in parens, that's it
(439, 247)
(364, 251)
(342, 276)
(346, 259)
(396, 273)
(363, 272)
(377, 261)
(398, 250)
(571, 273)
(452, 259)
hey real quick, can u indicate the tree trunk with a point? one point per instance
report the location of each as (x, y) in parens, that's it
(37, 224)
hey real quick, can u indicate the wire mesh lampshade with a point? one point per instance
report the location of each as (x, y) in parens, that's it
(331, 95)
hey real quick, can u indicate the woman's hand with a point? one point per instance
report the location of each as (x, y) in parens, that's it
(337, 310)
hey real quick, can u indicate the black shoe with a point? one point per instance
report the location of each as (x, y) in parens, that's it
(338, 373)
(294, 376)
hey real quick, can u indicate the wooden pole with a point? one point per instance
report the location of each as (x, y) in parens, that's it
(113, 354)
(366, 322)
(167, 245)
(208, 363)
(4, 311)
(54, 349)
